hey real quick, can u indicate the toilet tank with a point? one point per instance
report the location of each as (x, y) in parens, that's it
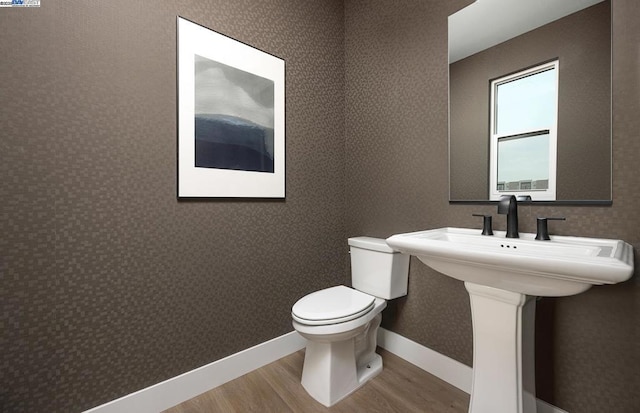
(377, 269)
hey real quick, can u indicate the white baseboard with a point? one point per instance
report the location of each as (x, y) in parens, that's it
(178, 389)
(544, 407)
(445, 368)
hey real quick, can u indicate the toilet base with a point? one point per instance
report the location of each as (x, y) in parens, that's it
(333, 370)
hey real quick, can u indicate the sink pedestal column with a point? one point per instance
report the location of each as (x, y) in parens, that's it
(503, 351)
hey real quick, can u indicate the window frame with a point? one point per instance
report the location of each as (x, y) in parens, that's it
(548, 194)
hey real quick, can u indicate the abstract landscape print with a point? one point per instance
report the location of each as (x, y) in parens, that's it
(233, 118)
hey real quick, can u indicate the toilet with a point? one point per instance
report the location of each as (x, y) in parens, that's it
(341, 323)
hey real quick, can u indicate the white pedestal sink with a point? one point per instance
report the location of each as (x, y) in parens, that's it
(503, 276)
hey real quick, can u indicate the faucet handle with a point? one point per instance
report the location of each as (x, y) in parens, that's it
(486, 224)
(543, 229)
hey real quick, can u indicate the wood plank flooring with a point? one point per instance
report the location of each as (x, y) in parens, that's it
(401, 387)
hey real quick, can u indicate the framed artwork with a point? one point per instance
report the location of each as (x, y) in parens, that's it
(231, 120)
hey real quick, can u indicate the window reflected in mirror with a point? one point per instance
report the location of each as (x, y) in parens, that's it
(523, 140)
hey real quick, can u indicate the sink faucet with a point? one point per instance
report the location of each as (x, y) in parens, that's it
(508, 204)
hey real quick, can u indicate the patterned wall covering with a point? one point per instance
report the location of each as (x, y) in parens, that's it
(108, 284)
(397, 180)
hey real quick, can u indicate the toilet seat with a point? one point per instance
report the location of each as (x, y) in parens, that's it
(331, 306)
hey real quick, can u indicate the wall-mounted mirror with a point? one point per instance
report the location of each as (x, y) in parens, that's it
(499, 44)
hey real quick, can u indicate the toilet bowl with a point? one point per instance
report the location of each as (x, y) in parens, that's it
(340, 356)
(341, 323)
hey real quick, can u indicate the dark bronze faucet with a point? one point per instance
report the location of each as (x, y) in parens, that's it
(508, 204)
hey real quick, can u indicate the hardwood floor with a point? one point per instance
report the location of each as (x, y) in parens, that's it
(401, 387)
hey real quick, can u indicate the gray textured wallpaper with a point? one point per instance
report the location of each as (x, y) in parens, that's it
(109, 284)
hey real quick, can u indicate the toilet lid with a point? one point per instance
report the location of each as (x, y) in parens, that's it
(332, 305)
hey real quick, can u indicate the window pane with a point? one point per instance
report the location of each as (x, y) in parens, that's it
(527, 103)
(523, 163)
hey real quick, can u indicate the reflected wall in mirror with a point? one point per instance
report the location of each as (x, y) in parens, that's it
(580, 41)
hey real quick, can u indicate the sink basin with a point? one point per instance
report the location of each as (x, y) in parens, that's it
(560, 267)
